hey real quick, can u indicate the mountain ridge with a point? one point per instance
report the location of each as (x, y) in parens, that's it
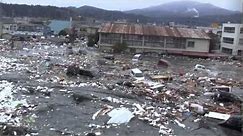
(83, 12)
(180, 8)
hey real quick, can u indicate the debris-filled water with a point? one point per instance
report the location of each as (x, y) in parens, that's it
(46, 90)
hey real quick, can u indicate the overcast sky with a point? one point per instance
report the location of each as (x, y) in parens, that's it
(123, 4)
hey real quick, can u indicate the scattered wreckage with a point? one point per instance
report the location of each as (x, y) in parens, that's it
(124, 91)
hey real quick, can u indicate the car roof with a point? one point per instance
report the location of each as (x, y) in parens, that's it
(136, 70)
(137, 55)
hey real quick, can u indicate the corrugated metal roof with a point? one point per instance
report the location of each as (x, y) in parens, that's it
(138, 29)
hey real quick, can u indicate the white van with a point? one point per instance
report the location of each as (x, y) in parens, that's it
(136, 58)
(137, 74)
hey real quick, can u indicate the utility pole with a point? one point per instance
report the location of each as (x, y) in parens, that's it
(241, 14)
(1, 23)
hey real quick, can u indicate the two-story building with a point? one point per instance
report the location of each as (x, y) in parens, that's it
(9, 28)
(150, 38)
(32, 30)
(232, 39)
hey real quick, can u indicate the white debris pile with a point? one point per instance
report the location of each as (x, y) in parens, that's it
(115, 100)
(156, 116)
(8, 64)
(85, 84)
(9, 106)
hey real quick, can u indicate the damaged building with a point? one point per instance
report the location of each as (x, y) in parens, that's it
(232, 39)
(149, 38)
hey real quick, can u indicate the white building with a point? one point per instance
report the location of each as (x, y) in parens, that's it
(9, 28)
(232, 39)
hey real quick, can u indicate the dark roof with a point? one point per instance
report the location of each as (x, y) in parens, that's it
(138, 29)
(7, 21)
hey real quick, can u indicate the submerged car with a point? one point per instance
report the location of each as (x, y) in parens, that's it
(137, 74)
(136, 58)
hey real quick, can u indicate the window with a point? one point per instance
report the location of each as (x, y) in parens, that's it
(229, 29)
(241, 42)
(228, 40)
(241, 30)
(178, 43)
(240, 52)
(191, 44)
(227, 51)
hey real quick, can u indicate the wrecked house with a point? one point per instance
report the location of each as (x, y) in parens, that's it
(145, 38)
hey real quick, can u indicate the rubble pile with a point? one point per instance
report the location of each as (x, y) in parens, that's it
(74, 90)
(12, 111)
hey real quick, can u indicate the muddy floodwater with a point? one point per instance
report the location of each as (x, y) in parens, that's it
(40, 99)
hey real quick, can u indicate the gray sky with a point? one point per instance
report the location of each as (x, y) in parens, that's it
(123, 4)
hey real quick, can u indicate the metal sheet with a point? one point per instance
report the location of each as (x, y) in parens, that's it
(137, 29)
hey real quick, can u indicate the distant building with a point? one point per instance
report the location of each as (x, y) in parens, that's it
(214, 30)
(84, 29)
(172, 24)
(22, 20)
(9, 28)
(33, 29)
(14, 27)
(58, 25)
(148, 38)
(232, 39)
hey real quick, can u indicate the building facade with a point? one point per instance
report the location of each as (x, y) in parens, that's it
(33, 29)
(9, 28)
(86, 28)
(145, 38)
(85, 31)
(232, 39)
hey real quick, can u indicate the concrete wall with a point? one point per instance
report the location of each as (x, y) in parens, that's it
(235, 46)
(199, 46)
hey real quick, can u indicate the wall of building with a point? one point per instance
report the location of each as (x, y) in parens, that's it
(110, 38)
(235, 47)
(199, 46)
(149, 43)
